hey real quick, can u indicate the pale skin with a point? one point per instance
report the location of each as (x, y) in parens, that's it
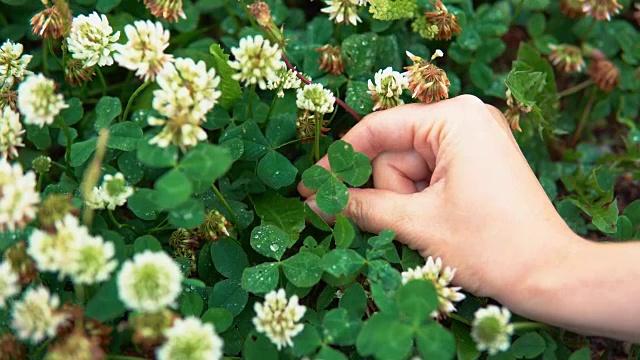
(451, 181)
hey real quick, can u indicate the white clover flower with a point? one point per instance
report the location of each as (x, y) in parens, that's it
(144, 50)
(256, 60)
(287, 79)
(38, 101)
(115, 190)
(36, 316)
(278, 318)
(491, 329)
(91, 40)
(189, 338)
(314, 97)
(10, 133)
(91, 260)
(188, 91)
(55, 251)
(18, 196)
(387, 88)
(432, 271)
(343, 11)
(149, 282)
(13, 65)
(95, 198)
(8, 283)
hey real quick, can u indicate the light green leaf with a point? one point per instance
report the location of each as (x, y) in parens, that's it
(81, 151)
(342, 262)
(276, 171)
(343, 232)
(219, 317)
(229, 295)
(375, 339)
(172, 189)
(435, 342)
(286, 213)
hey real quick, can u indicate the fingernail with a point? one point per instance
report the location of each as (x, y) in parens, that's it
(312, 204)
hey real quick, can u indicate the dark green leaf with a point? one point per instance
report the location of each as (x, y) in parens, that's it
(270, 241)
(434, 342)
(342, 262)
(303, 269)
(105, 305)
(343, 232)
(191, 304)
(276, 170)
(528, 346)
(124, 136)
(228, 294)
(219, 317)
(146, 242)
(81, 151)
(375, 339)
(286, 213)
(417, 299)
(107, 109)
(187, 214)
(155, 156)
(261, 278)
(229, 258)
(172, 189)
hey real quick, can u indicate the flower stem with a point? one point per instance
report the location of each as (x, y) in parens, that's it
(67, 134)
(133, 97)
(252, 92)
(583, 118)
(529, 325)
(115, 221)
(273, 104)
(460, 319)
(103, 82)
(41, 348)
(318, 130)
(45, 58)
(49, 46)
(227, 206)
(574, 89)
(79, 290)
(39, 184)
(341, 103)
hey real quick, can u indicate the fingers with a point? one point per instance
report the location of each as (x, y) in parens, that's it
(400, 172)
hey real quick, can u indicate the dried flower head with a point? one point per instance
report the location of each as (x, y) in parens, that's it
(184, 239)
(8, 98)
(76, 346)
(36, 315)
(446, 22)
(427, 82)
(491, 329)
(54, 208)
(144, 50)
(38, 100)
(314, 97)
(262, 13)
(572, 8)
(343, 11)
(605, 74)
(515, 109)
(386, 89)
(214, 225)
(566, 58)
(18, 196)
(91, 40)
(331, 60)
(149, 328)
(13, 64)
(601, 9)
(21, 263)
(10, 133)
(168, 10)
(278, 318)
(433, 272)
(306, 126)
(76, 74)
(12, 348)
(256, 61)
(190, 338)
(54, 21)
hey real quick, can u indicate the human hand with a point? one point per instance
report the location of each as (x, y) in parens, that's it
(450, 180)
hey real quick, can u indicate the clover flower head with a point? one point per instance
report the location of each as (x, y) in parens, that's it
(601, 9)
(113, 192)
(331, 60)
(427, 82)
(91, 260)
(314, 97)
(149, 282)
(13, 64)
(515, 109)
(149, 328)
(278, 318)
(388, 10)
(187, 92)
(387, 88)
(491, 329)
(41, 164)
(9, 285)
(144, 50)
(256, 60)
(446, 23)
(287, 79)
(36, 315)
(168, 10)
(21, 263)
(38, 101)
(52, 22)
(76, 346)
(440, 278)
(189, 338)
(343, 11)
(91, 40)
(566, 58)
(605, 74)
(75, 73)
(573, 8)
(18, 196)
(10, 133)
(54, 251)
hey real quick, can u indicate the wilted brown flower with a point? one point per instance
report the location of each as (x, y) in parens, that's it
(75, 73)
(148, 328)
(183, 238)
(427, 82)
(169, 10)
(306, 126)
(331, 60)
(446, 22)
(513, 113)
(75, 346)
(54, 21)
(601, 9)
(566, 58)
(54, 208)
(8, 98)
(96, 332)
(262, 13)
(573, 8)
(12, 348)
(21, 263)
(605, 74)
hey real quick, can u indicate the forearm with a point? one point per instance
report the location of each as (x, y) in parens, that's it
(591, 289)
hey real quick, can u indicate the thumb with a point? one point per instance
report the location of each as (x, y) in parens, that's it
(374, 210)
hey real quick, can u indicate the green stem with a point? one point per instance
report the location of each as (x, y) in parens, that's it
(114, 221)
(252, 92)
(126, 85)
(133, 97)
(583, 119)
(79, 290)
(53, 54)
(161, 226)
(460, 319)
(41, 348)
(103, 82)
(287, 143)
(273, 104)
(45, 58)
(228, 207)
(67, 134)
(318, 130)
(529, 325)
(574, 89)
(234, 18)
(39, 184)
